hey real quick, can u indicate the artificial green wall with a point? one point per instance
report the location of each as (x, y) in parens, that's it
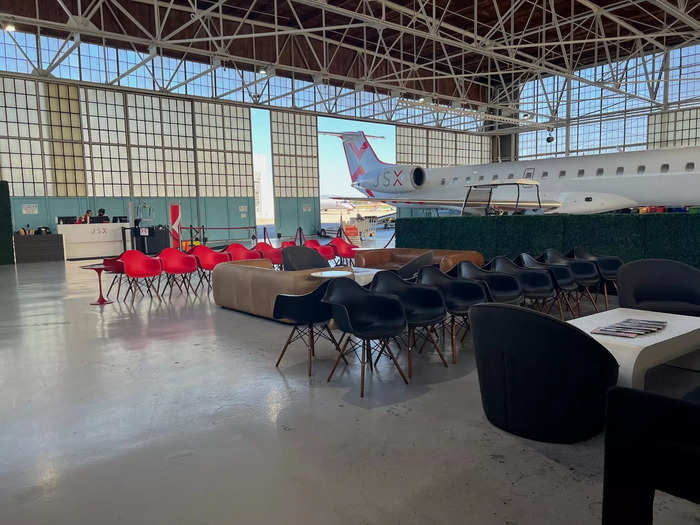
(666, 235)
(6, 246)
(290, 213)
(213, 211)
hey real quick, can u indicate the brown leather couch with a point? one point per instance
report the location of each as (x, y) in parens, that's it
(252, 286)
(394, 258)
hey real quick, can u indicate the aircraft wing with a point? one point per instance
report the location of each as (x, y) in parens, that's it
(508, 205)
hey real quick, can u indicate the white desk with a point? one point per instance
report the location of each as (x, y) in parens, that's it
(364, 276)
(82, 241)
(635, 356)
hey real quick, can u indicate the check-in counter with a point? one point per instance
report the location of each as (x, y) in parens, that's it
(83, 241)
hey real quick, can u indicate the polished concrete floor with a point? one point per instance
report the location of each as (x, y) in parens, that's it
(175, 414)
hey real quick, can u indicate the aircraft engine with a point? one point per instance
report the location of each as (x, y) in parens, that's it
(393, 179)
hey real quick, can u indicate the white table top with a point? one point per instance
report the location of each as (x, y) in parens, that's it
(364, 276)
(636, 355)
(331, 274)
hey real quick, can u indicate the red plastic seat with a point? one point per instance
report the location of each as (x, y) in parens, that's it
(114, 266)
(269, 252)
(287, 244)
(207, 259)
(344, 249)
(138, 265)
(178, 268)
(326, 251)
(238, 252)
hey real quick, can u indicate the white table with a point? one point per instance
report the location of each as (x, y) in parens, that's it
(364, 276)
(331, 274)
(635, 356)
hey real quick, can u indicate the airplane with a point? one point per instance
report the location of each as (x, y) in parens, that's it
(578, 185)
(328, 203)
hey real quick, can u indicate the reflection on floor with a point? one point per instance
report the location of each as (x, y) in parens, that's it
(175, 413)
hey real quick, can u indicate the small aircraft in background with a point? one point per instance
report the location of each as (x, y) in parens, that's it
(329, 203)
(586, 184)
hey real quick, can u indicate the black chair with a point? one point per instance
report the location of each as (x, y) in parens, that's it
(660, 285)
(607, 265)
(411, 268)
(561, 275)
(540, 378)
(424, 307)
(501, 287)
(537, 285)
(459, 295)
(585, 274)
(652, 442)
(310, 317)
(302, 258)
(367, 315)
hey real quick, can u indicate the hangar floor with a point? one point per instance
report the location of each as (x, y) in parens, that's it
(176, 414)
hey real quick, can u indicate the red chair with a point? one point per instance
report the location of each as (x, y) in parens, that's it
(207, 259)
(326, 251)
(139, 266)
(345, 250)
(114, 266)
(178, 268)
(287, 244)
(238, 252)
(270, 252)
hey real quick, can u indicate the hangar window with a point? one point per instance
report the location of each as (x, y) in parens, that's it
(545, 174)
(581, 173)
(620, 170)
(690, 166)
(510, 175)
(641, 169)
(599, 172)
(664, 168)
(562, 173)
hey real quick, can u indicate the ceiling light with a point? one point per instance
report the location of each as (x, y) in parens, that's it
(421, 100)
(10, 27)
(262, 72)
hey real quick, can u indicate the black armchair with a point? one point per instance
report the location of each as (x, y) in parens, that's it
(367, 315)
(652, 442)
(309, 316)
(459, 295)
(607, 265)
(411, 268)
(540, 378)
(561, 276)
(501, 287)
(537, 285)
(302, 258)
(585, 274)
(424, 307)
(661, 285)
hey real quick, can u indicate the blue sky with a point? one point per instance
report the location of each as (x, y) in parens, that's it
(333, 169)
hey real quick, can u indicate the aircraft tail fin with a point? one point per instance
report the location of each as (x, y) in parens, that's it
(358, 152)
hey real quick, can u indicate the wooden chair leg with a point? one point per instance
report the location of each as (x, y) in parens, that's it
(411, 343)
(335, 343)
(311, 346)
(362, 372)
(454, 340)
(437, 348)
(396, 363)
(284, 349)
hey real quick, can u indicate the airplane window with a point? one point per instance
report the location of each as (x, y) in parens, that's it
(664, 168)
(545, 174)
(690, 166)
(620, 170)
(467, 178)
(455, 179)
(641, 169)
(495, 177)
(599, 172)
(562, 173)
(481, 177)
(442, 182)
(581, 173)
(510, 175)
(588, 199)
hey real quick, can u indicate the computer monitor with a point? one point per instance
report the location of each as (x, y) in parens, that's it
(120, 218)
(66, 220)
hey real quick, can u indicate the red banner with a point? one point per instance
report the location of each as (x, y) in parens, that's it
(175, 225)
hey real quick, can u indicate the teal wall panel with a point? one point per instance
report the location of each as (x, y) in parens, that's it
(290, 213)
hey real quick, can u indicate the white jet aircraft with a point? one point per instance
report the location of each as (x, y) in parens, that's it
(586, 184)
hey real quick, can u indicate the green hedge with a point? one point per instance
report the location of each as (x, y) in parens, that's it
(667, 235)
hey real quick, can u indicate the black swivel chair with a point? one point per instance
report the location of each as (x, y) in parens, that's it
(561, 276)
(501, 287)
(585, 274)
(537, 285)
(310, 317)
(424, 307)
(302, 258)
(459, 294)
(652, 442)
(661, 285)
(540, 378)
(411, 268)
(368, 316)
(607, 266)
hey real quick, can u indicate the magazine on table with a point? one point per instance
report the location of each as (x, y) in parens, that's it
(631, 328)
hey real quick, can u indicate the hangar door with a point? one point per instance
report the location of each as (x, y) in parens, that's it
(295, 172)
